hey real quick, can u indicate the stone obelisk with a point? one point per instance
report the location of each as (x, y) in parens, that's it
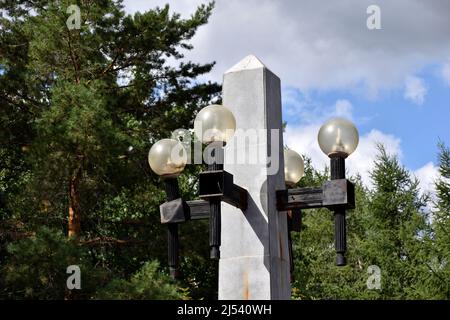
(254, 261)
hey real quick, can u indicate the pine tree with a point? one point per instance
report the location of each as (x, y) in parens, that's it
(439, 264)
(398, 231)
(80, 109)
(316, 276)
(92, 94)
(443, 185)
(388, 229)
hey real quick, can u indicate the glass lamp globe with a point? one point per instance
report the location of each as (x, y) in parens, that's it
(214, 123)
(294, 167)
(338, 137)
(167, 157)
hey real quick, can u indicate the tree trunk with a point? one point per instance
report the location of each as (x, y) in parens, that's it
(74, 205)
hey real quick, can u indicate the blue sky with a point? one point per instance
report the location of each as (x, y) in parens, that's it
(418, 126)
(393, 82)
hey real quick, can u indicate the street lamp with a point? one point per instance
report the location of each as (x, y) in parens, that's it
(214, 126)
(338, 138)
(167, 158)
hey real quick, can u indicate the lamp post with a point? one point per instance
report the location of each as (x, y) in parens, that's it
(255, 247)
(214, 126)
(167, 158)
(338, 138)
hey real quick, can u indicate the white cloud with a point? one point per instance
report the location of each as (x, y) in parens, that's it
(445, 73)
(362, 161)
(321, 44)
(427, 175)
(343, 109)
(326, 45)
(184, 7)
(415, 90)
(303, 139)
(298, 107)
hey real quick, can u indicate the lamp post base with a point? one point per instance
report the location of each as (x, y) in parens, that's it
(340, 259)
(215, 253)
(174, 273)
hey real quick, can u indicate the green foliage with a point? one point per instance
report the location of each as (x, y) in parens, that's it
(87, 104)
(438, 285)
(388, 228)
(199, 273)
(443, 185)
(146, 284)
(36, 267)
(400, 229)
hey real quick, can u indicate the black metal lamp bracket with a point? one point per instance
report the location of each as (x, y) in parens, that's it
(218, 184)
(179, 211)
(334, 194)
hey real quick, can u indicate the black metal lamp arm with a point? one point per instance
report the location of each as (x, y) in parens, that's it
(338, 194)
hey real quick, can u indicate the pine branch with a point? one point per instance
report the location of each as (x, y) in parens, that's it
(73, 58)
(109, 240)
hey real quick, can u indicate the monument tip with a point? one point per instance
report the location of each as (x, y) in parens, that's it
(248, 63)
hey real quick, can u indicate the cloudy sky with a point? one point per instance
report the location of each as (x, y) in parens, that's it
(394, 82)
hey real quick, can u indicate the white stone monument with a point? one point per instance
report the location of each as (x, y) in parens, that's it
(254, 261)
